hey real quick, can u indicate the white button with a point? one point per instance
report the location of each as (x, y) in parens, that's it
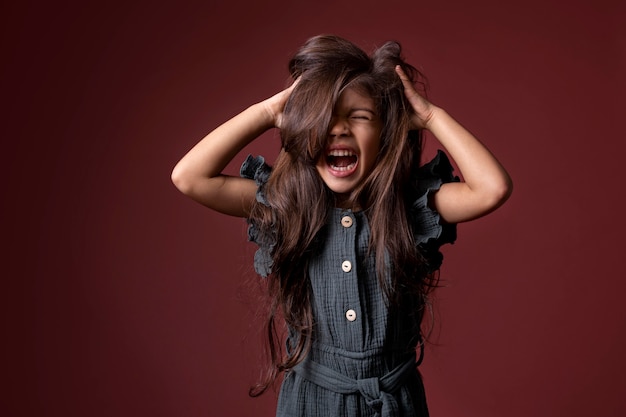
(346, 266)
(351, 315)
(346, 221)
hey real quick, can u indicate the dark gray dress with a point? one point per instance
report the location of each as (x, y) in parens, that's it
(363, 360)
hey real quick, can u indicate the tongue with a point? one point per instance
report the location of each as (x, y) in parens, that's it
(342, 161)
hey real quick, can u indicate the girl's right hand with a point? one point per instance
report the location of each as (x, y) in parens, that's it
(199, 173)
(275, 105)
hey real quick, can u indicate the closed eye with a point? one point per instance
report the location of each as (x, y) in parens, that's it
(361, 114)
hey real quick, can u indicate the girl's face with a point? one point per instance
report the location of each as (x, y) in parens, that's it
(353, 142)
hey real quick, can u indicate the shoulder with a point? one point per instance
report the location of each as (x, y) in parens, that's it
(430, 231)
(255, 168)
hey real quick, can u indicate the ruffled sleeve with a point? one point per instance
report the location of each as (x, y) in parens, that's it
(255, 168)
(430, 232)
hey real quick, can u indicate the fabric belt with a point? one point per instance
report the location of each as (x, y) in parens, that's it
(376, 391)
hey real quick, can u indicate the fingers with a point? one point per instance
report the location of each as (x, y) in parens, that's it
(408, 85)
(409, 90)
(287, 91)
(422, 108)
(279, 101)
(401, 73)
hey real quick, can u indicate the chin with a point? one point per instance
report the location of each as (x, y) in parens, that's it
(339, 185)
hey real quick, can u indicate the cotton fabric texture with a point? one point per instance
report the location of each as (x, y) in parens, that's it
(363, 356)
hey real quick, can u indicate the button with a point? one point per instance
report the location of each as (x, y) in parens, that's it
(346, 266)
(351, 315)
(346, 221)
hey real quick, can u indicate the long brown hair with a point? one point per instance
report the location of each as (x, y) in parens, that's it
(298, 201)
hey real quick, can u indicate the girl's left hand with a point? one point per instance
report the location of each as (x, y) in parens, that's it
(485, 186)
(423, 110)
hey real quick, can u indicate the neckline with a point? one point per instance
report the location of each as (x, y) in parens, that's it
(340, 211)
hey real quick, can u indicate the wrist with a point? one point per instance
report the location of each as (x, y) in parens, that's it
(264, 114)
(436, 117)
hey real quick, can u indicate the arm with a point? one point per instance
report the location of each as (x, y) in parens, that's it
(486, 185)
(198, 173)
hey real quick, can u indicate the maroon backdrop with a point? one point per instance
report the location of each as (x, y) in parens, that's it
(123, 298)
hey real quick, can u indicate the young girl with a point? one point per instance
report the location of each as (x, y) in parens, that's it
(348, 224)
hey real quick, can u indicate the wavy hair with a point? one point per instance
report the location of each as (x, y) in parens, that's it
(299, 201)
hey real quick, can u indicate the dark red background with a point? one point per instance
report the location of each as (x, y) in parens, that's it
(123, 298)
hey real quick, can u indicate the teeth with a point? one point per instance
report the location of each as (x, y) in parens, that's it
(340, 152)
(346, 168)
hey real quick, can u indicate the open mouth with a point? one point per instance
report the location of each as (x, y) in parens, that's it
(341, 160)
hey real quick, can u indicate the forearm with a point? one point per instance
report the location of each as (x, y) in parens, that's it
(486, 184)
(477, 164)
(209, 157)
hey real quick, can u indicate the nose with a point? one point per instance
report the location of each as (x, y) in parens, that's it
(338, 127)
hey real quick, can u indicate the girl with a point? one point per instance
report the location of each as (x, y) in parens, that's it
(348, 224)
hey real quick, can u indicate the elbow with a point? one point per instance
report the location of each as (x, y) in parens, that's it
(181, 180)
(471, 203)
(506, 188)
(499, 192)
